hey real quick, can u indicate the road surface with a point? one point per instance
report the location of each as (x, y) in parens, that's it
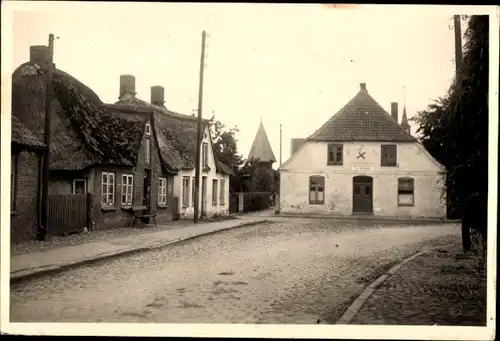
(289, 271)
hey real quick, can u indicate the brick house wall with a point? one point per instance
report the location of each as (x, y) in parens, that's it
(25, 189)
(119, 215)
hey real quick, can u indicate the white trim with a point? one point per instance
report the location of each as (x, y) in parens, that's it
(126, 186)
(105, 189)
(162, 191)
(148, 129)
(215, 191)
(185, 192)
(74, 185)
(147, 151)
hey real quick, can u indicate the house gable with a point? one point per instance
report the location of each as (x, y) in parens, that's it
(361, 119)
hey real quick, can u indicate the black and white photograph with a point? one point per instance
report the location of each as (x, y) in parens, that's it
(249, 170)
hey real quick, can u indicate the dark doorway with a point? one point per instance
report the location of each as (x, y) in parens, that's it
(146, 199)
(203, 196)
(362, 198)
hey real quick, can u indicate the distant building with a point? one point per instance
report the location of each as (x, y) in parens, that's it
(261, 151)
(362, 161)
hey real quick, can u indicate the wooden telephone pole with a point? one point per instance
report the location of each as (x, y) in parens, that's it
(466, 238)
(199, 131)
(44, 224)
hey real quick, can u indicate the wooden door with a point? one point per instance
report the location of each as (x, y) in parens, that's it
(362, 194)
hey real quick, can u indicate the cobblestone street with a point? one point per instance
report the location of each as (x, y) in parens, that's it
(287, 271)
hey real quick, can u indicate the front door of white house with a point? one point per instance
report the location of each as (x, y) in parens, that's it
(362, 197)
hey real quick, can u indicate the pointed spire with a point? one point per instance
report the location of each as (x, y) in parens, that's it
(261, 148)
(404, 121)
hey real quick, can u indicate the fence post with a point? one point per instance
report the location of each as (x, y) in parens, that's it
(277, 203)
(241, 200)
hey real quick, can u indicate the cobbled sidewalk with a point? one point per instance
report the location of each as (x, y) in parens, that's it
(53, 259)
(442, 287)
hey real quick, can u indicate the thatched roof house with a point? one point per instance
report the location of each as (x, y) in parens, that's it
(22, 136)
(84, 132)
(175, 133)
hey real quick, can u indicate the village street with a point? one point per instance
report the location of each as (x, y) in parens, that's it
(285, 271)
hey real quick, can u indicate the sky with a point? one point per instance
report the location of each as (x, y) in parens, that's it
(293, 65)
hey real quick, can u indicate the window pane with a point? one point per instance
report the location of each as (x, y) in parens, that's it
(405, 199)
(312, 196)
(104, 178)
(321, 196)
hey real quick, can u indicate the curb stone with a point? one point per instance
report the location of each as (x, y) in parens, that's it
(27, 274)
(358, 303)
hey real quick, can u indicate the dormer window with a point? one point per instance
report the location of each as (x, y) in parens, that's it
(148, 129)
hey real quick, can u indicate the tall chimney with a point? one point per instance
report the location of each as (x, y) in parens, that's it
(39, 54)
(127, 87)
(394, 110)
(158, 95)
(362, 86)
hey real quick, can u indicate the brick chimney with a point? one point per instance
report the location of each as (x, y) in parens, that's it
(394, 110)
(158, 95)
(362, 86)
(127, 87)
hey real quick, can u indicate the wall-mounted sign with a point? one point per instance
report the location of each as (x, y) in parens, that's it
(362, 167)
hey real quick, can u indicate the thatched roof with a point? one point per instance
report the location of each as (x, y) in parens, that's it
(21, 135)
(84, 132)
(175, 134)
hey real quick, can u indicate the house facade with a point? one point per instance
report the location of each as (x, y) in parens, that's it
(25, 180)
(362, 161)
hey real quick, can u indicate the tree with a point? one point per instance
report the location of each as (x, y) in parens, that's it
(455, 131)
(224, 143)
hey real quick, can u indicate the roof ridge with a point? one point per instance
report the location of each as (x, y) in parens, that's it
(350, 124)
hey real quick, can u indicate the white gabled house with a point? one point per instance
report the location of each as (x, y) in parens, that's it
(362, 161)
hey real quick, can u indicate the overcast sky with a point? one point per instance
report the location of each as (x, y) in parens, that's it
(294, 65)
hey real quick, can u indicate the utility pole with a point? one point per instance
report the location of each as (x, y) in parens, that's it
(199, 131)
(44, 225)
(466, 238)
(458, 43)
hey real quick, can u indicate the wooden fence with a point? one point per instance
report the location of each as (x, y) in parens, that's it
(68, 213)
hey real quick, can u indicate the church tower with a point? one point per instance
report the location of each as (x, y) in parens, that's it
(404, 121)
(261, 151)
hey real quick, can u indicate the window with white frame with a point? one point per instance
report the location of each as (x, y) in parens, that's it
(79, 186)
(162, 191)
(127, 189)
(214, 192)
(107, 188)
(222, 189)
(406, 192)
(148, 129)
(148, 151)
(185, 191)
(204, 155)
